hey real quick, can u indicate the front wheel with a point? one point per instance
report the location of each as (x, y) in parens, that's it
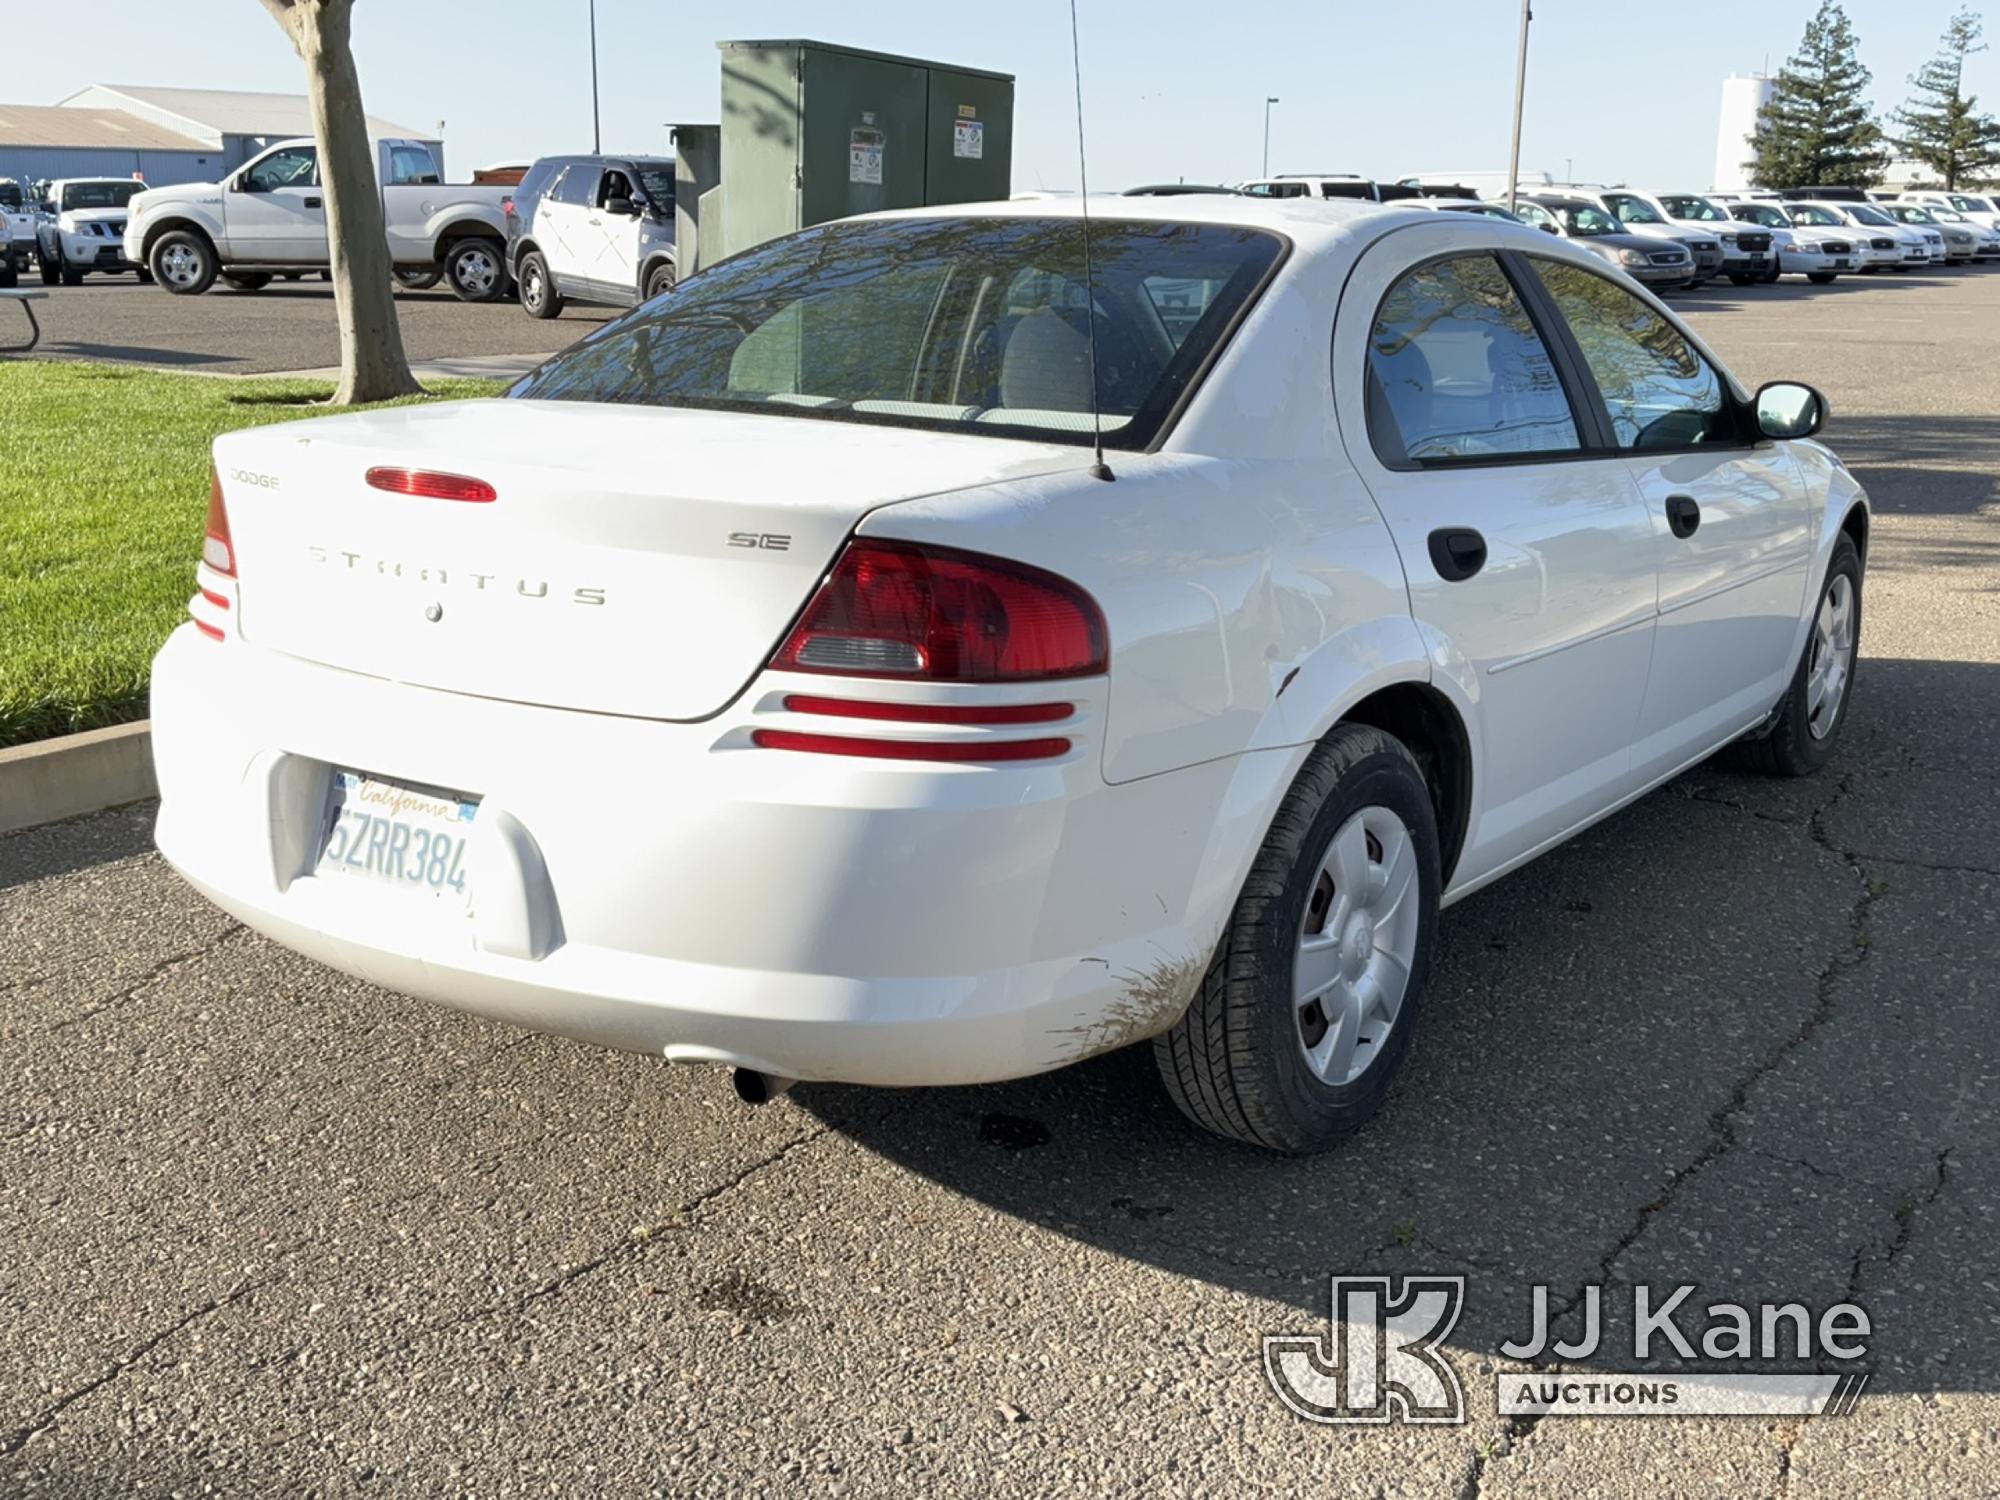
(1822, 278)
(1308, 1004)
(1801, 740)
(1743, 278)
(71, 275)
(50, 275)
(659, 280)
(183, 263)
(475, 270)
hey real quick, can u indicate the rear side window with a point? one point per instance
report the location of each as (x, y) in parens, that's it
(1457, 371)
(575, 185)
(411, 164)
(961, 324)
(1659, 390)
(537, 181)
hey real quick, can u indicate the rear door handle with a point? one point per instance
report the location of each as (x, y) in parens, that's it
(315, 203)
(1457, 552)
(1683, 515)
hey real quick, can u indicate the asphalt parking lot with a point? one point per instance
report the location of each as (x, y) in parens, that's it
(289, 325)
(272, 1230)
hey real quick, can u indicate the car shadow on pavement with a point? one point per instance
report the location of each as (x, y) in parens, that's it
(1723, 1039)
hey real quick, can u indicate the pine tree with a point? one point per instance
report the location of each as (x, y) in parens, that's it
(1941, 125)
(1817, 127)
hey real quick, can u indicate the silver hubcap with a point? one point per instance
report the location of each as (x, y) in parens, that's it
(1832, 657)
(476, 270)
(180, 265)
(531, 287)
(1356, 945)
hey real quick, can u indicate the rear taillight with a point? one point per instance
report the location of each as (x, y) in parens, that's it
(894, 610)
(427, 485)
(216, 550)
(958, 752)
(507, 205)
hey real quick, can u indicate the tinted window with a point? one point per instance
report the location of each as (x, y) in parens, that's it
(282, 169)
(1632, 210)
(100, 194)
(1276, 190)
(1457, 370)
(575, 185)
(1661, 393)
(965, 324)
(615, 184)
(411, 164)
(658, 183)
(537, 180)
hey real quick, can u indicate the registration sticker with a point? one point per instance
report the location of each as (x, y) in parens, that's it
(398, 833)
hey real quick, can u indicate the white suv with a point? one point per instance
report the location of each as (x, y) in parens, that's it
(1747, 256)
(593, 229)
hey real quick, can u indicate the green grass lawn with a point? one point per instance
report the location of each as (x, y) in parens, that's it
(103, 490)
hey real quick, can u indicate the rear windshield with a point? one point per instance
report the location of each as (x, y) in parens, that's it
(970, 325)
(99, 194)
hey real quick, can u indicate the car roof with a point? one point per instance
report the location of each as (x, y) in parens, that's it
(1308, 221)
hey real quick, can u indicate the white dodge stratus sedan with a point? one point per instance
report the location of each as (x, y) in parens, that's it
(772, 679)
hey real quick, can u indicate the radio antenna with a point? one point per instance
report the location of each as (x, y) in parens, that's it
(1099, 469)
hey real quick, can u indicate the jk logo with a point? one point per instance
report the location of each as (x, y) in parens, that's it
(1378, 1361)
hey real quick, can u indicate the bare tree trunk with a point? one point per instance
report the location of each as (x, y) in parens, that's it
(373, 366)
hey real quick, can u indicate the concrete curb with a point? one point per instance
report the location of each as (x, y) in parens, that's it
(79, 773)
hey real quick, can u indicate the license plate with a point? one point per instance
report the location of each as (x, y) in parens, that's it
(1757, 260)
(397, 833)
(1842, 263)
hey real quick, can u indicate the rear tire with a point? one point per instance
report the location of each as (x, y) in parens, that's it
(419, 281)
(246, 281)
(183, 262)
(476, 270)
(1346, 885)
(539, 297)
(1807, 730)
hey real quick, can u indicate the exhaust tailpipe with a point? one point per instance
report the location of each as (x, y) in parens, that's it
(753, 1087)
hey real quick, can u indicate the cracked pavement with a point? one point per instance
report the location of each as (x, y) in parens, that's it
(272, 1230)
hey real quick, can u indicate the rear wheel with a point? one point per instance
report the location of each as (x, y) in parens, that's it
(539, 297)
(476, 270)
(247, 281)
(184, 263)
(419, 280)
(1309, 1002)
(1801, 741)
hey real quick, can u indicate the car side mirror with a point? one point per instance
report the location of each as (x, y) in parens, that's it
(625, 208)
(1786, 409)
(1546, 228)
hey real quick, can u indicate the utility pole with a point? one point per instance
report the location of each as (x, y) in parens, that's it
(1520, 95)
(596, 125)
(1267, 134)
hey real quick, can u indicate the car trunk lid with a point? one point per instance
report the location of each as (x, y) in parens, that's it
(632, 560)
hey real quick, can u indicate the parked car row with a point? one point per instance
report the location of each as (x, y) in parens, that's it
(1682, 240)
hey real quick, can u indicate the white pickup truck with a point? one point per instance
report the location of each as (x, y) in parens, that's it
(269, 219)
(17, 231)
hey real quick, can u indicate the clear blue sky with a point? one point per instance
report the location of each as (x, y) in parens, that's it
(1174, 88)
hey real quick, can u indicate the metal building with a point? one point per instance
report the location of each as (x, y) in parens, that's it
(232, 124)
(41, 140)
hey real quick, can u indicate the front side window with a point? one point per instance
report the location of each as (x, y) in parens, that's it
(1659, 390)
(1456, 370)
(1535, 214)
(1586, 221)
(1965, 203)
(615, 184)
(961, 324)
(1873, 216)
(1760, 213)
(1806, 213)
(284, 169)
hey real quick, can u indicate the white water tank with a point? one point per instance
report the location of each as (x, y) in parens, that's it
(1743, 94)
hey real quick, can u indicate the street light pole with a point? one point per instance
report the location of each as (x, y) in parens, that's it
(1520, 94)
(1267, 135)
(596, 125)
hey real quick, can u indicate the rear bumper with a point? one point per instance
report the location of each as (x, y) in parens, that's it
(664, 888)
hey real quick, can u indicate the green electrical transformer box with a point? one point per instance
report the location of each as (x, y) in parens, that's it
(812, 132)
